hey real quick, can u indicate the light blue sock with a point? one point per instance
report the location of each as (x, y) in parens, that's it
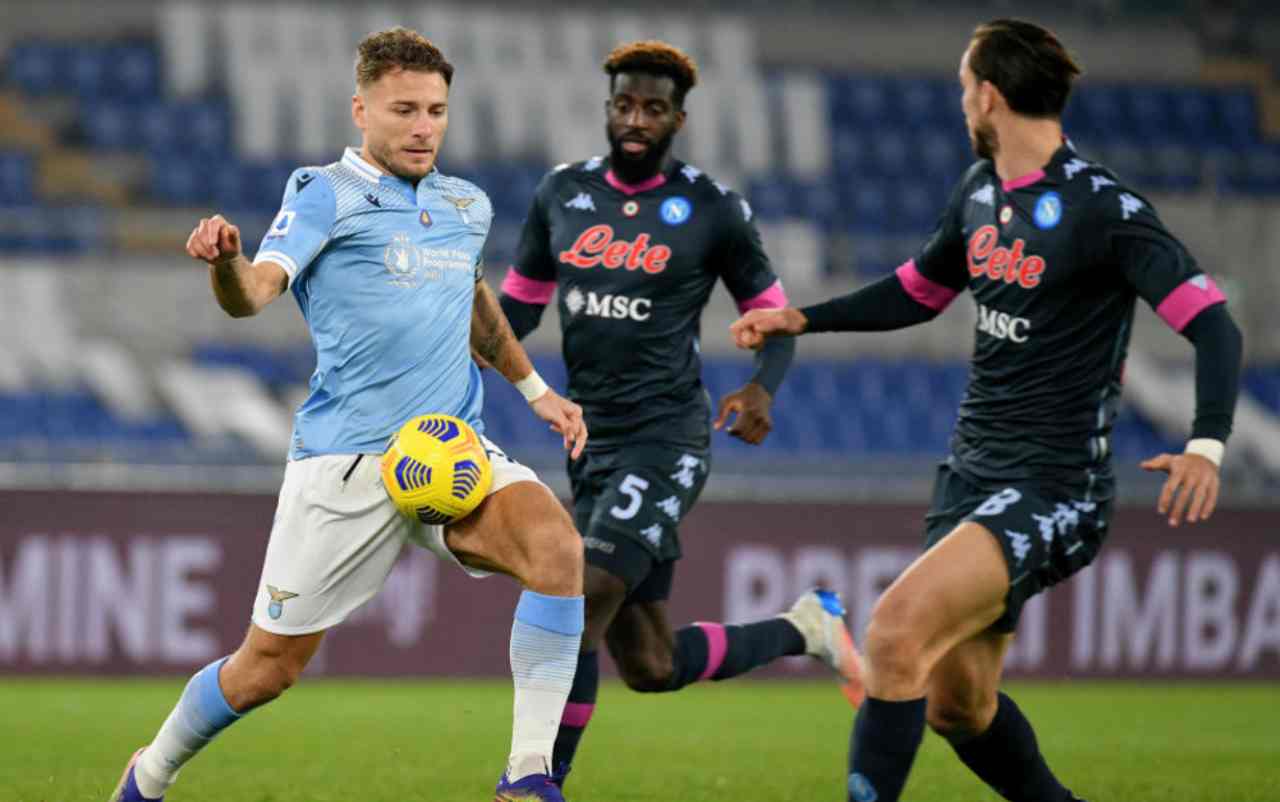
(544, 656)
(201, 713)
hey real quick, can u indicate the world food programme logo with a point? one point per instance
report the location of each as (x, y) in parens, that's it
(574, 300)
(675, 211)
(278, 597)
(1048, 211)
(403, 261)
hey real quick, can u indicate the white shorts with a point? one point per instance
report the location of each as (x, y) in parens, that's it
(336, 535)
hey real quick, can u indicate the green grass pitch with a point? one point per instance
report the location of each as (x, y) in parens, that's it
(445, 741)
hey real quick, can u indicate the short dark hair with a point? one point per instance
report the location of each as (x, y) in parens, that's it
(382, 51)
(1027, 63)
(654, 58)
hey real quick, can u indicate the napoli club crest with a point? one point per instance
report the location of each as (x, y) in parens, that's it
(675, 211)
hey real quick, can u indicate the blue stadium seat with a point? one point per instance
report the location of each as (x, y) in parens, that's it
(769, 197)
(1238, 115)
(276, 368)
(930, 101)
(133, 70)
(17, 178)
(1263, 383)
(36, 67)
(88, 68)
(110, 125)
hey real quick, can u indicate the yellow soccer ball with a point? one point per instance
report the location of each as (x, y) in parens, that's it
(436, 470)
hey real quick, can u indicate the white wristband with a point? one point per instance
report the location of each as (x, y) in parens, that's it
(1208, 448)
(532, 387)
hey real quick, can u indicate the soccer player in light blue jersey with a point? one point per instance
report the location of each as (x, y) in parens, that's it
(383, 255)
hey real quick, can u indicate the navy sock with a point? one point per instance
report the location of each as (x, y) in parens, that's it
(577, 713)
(886, 736)
(1007, 758)
(720, 651)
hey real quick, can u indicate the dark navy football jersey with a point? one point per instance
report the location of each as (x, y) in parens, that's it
(634, 267)
(1055, 262)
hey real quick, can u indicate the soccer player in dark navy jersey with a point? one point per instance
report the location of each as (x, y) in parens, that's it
(635, 243)
(1055, 251)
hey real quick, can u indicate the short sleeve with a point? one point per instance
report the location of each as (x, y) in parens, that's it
(532, 278)
(301, 228)
(941, 260)
(740, 260)
(1153, 261)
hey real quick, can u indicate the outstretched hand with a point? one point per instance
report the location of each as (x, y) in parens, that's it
(751, 330)
(1193, 480)
(751, 404)
(565, 418)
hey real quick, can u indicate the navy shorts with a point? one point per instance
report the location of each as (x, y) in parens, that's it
(628, 503)
(1047, 531)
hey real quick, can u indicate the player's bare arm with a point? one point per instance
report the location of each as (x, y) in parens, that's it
(242, 288)
(493, 340)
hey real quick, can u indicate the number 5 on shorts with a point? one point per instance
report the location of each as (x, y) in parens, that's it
(633, 487)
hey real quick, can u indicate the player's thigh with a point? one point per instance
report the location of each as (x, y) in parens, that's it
(641, 643)
(1046, 532)
(964, 684)
(520, 529)
(335, 537)
(950, 593)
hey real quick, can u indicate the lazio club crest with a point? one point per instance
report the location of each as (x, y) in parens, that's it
(278, 597)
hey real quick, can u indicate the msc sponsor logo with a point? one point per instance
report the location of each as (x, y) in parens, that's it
(597, 246)
(609, 305)
(996, 262)
(1002, 325)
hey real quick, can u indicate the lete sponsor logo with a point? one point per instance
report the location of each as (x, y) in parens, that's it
(597, 246)
(998, 263)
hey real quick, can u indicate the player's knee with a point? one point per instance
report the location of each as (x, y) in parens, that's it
(604, 593)
(958, 718)
(554, 559)
(894, 651)
(260, 678)
(649, 673)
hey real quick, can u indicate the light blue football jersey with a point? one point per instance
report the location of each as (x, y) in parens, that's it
(385, 276)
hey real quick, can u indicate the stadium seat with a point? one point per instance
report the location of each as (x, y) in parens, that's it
(17, 178)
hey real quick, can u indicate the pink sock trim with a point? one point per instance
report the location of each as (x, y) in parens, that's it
(717, 647)
(577, 714)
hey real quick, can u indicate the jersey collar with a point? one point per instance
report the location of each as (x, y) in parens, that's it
(1064, 152)
(352, 159)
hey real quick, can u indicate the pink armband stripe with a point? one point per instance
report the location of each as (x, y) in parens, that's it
(922, 290)
(773, 298)
(528, 290)
(1188, 300)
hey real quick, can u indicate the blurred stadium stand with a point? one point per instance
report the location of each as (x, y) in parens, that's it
(115, 138)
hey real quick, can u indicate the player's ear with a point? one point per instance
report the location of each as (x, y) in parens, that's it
(680, 118)
(357, 111)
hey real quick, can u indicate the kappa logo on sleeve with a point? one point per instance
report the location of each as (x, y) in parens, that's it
(281, 225)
